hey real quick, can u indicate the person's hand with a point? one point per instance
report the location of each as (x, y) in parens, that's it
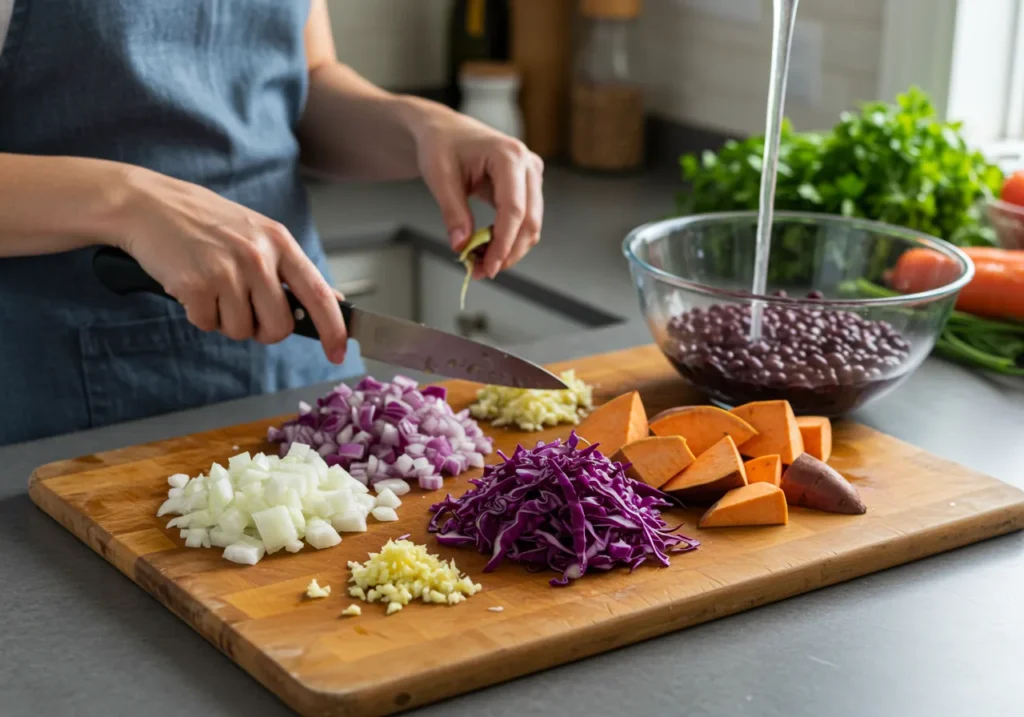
(460, 157)
(225, 263)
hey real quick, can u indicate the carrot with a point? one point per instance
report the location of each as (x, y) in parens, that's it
(817, 435)
(755, 504)
(715, 472)
(777, 431)
(616, 423)
(655, 460)
(766, 469)
(702, 426)
(996, 291)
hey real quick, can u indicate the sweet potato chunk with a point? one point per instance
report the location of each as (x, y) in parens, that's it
(754, 504)
(715, 472)
(766, 469)
(810, 483)
(616, 423)
(702, 426)
(817, 434)
(655, 460)
(777, 431)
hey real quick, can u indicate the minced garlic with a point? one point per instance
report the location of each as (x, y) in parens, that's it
(532, 408)
(403, 571)
(313, 590)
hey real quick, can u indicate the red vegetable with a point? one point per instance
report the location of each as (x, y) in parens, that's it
(388, 430)
(560, 507)
(996, 291)
(1013, 189)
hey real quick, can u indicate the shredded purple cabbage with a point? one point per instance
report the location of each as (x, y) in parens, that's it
(388, 430)
(562, 508)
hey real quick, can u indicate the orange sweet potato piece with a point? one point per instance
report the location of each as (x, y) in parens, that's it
(754, 504)
(655, 460)
(777, 430)
(766, 469)
(714, 473)
(702, 426)
(817, 434)
(616, 423)
(811, 483)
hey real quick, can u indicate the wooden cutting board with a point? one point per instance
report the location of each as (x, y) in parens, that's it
(323, 664)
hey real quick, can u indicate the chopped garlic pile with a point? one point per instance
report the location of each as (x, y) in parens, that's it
(261, 504)
(313, 590)
(403, 571)
(531, 408)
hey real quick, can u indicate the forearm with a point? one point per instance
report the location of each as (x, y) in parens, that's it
(352, 129)
(55, 204)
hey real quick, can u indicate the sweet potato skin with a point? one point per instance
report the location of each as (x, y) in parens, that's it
(811, 483)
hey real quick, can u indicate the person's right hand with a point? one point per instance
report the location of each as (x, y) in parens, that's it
(225, 263)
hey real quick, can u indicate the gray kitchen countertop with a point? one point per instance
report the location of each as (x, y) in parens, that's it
(942, 636)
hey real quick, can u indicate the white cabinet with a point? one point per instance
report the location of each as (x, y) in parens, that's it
(503, 318)
(378, 279)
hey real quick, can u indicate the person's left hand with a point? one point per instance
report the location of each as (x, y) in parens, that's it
(460, 157)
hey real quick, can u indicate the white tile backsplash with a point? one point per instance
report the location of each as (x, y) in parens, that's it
(700, 65)
(712, 71)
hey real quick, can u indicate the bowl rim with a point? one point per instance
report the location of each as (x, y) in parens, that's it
(662, 226)
(1015, 209)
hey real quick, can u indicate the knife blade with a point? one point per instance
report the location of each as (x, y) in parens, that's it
(384, 338)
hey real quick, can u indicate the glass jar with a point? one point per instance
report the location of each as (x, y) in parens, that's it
(490, 93)
(607, 108)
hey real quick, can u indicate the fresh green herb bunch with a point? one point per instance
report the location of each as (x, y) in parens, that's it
(893, 163)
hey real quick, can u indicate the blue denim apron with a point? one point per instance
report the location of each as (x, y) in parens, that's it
(208, 91)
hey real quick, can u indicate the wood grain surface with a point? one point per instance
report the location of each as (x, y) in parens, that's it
(323, 664)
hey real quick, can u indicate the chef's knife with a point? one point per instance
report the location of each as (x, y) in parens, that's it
(384, 338)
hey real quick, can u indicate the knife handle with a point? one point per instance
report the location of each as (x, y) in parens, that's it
(122, 274)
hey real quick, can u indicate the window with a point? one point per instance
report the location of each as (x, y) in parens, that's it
(969, 55)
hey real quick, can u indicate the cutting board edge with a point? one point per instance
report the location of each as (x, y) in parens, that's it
(422, 689)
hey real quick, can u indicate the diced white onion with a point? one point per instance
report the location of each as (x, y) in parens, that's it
(387, 499)
(385, 515)
(395, 485)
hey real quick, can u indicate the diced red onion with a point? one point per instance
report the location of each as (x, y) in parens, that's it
(439, 392)
(352, 451)
(403, 463)
(404, 382)
(365, 417)
(389, 435)
(431, 482)
(387, 430)
(345, 434)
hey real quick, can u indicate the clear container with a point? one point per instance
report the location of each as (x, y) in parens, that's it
(834, 335)
(490, 93)
(607, 106)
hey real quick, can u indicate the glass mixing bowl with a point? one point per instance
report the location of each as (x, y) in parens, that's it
(833, 335)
